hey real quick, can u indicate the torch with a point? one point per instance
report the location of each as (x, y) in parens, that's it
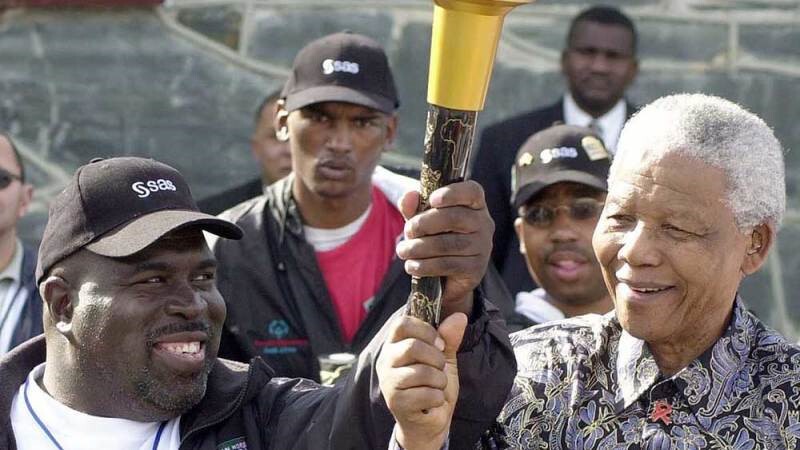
(463, 46)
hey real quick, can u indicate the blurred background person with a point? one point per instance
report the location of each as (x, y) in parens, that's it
(20, 304)
(271, 153)
(598, 64)
(560, 184)
(317, 272)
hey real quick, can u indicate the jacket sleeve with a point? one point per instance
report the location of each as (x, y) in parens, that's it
(354, 415)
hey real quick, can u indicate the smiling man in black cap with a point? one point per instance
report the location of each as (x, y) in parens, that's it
(559, 181)
(132, 321)
(316, 272)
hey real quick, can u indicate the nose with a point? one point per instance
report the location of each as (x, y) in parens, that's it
(600, 62)
(340, 136)
(639, 247)
(563, 227)
(185, 301)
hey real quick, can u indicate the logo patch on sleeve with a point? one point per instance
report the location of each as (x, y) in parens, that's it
(233, 444)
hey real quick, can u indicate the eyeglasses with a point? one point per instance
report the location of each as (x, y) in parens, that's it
(542, 216)
(6, 178)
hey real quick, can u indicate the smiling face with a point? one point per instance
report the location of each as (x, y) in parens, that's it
(335, 147)
(671, 254)
(599, 65)
(559, 255)
(144, 330)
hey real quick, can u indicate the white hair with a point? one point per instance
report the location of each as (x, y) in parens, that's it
(721, 134)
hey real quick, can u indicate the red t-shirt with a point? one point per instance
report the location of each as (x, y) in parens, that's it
(354, 270)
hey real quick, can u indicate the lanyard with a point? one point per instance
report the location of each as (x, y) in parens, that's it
(53, 438)
(10, 305)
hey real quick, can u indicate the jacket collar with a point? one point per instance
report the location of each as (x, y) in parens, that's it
(637, 371)
(230, 384)
(286, 212)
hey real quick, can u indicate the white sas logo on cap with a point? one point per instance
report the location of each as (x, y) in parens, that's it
(334, 65)
(144, 188)
(550, 154)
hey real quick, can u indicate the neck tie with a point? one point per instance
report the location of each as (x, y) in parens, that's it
(594, 125)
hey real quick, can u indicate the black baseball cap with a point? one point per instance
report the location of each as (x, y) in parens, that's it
(117, 207)
(341, 67)
(556, 154)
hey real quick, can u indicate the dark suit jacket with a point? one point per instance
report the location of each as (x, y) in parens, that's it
(30, 319)
(491, 167)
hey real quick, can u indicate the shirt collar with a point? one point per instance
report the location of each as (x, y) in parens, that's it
(13, 269)
(637, 370)
(610, 123)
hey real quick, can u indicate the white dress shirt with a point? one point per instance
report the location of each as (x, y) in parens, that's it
(609, 123)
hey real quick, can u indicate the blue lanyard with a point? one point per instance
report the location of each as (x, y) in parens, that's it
(53, 438)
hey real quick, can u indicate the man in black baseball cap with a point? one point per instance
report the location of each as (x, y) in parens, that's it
(328, 232)
(559, 187)
(132, 321)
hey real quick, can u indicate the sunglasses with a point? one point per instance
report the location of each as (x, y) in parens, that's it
(6, 178)
(542, 216)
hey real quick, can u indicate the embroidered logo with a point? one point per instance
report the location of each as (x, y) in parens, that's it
(550, 154)
(233, 444)
(278, 328)
(330, 66)
(145, 188)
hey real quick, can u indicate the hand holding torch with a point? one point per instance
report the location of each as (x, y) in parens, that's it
(463, 46)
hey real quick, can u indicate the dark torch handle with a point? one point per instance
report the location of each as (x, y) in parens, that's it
(448, 141)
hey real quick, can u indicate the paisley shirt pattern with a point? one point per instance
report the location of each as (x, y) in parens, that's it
(585, 383)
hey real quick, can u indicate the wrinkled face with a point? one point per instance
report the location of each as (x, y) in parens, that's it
(273, 154)
(14, 198)
(336, 146)
(599, 64)
(559, 255)
(147, 327)
(671, 253)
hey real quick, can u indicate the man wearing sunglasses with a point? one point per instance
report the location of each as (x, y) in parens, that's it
(559, 186)
(20, 305)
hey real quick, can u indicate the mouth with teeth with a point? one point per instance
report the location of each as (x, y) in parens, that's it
(182, 355)
(639, 292)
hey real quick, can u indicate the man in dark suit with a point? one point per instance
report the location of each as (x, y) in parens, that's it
(598, 64)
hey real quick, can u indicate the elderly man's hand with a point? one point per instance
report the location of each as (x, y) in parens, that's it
(418, 376)
(453, 239)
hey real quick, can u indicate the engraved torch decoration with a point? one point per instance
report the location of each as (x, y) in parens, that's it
(463, 46)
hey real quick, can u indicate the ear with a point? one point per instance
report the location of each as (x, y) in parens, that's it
(391, 131)
(760, 240)
(280, 123)
(25, 197)
(56, 293)
(519, 227)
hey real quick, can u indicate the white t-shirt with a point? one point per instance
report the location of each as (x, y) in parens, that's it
(534, 305)
(74, 430)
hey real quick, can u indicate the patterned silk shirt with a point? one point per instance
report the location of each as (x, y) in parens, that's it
(584, 383)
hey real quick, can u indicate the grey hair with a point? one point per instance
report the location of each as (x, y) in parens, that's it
(721, 134)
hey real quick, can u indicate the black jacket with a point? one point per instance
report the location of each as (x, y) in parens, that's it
(244, 403)
(278, 304)
(30, 318)
(491, 167)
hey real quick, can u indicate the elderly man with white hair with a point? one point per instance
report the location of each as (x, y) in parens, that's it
(696, 194)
